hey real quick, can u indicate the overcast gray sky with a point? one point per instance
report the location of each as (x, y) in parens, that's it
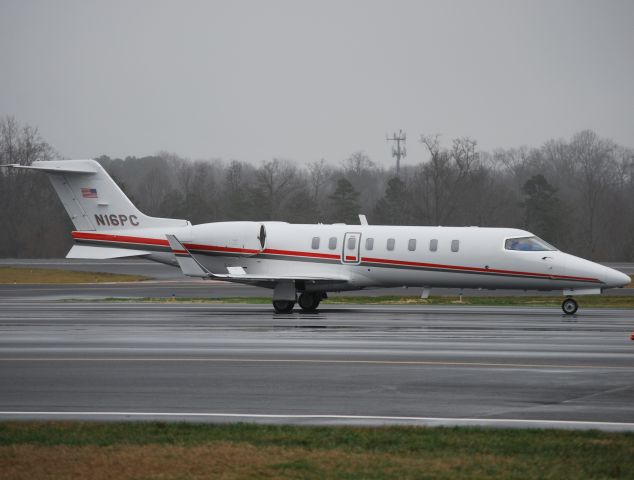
(303, 80)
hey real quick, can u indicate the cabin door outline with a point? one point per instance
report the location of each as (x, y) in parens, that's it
(351, 256)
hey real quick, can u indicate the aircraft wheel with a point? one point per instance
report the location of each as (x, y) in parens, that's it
(309, 301)
(569, 306)
(283, 306)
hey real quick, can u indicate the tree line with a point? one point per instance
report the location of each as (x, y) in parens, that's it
(577, 194)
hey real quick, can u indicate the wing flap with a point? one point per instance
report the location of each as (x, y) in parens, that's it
(281, 278)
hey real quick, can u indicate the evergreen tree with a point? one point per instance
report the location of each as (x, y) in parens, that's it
(344, 203)
(393, 208)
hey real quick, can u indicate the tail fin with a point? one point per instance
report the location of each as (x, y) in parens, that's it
(93, 200)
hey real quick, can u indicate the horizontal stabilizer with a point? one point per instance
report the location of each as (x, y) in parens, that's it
(102, 253)
(56, 167)
(92, 199)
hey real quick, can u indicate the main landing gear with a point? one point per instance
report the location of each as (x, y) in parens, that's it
(283, 306)
(308, 301)
(569, 306)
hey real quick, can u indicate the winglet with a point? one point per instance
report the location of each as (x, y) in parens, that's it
(188, 264)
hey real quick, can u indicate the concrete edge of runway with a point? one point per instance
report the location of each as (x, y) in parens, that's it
(314, 420)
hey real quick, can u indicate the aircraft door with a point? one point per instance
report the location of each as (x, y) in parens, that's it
(350, 252)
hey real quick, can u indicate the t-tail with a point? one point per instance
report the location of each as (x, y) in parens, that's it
(95, 202)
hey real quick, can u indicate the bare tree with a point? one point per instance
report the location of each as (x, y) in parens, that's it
(23, 226)
(157, 183)
(597, 173)
(235, 203)
(436, 178)
(579, 192)
(319, 174)
(275, 180)
(357, 163)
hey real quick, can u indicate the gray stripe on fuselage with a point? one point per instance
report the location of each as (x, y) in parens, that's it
(129, 246)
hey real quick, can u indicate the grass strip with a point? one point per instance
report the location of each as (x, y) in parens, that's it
(537, 301)
(13, 275)
(192, 451)
(532, 301)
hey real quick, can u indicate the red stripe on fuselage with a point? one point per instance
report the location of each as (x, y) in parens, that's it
(156, 241)
(119, 238)
(215, 248)
(292, 253)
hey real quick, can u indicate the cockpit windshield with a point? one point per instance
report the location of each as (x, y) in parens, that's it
(528, 244)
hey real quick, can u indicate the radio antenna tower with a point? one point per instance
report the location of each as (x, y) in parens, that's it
(399, 151)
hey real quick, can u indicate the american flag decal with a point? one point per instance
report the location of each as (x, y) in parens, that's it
(89, 192)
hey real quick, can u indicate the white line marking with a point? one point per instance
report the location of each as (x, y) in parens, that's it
(309, 361)
(92, 264)
(328, 416)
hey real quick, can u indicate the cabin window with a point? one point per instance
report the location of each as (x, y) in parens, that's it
(369, 243)
(433, 245)
(352, 243)
(455, 245)
(411, 245)
(528, 244)
(332, 243)
(315, 243)
(390, 243)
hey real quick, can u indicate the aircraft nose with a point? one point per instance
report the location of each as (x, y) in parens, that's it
(614, 278)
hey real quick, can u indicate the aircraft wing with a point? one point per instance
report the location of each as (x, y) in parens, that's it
(192, 268)
(247, 278)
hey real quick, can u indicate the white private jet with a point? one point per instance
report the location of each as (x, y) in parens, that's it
(301, 263)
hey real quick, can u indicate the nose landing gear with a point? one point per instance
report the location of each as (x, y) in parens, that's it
(569, 306)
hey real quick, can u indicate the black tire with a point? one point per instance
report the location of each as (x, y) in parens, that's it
(569, 306)
(309, 301)
(283, 306)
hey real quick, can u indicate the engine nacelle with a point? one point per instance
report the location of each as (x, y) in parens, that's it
(245, 237)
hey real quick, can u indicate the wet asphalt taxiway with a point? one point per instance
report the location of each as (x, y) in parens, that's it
(345, 364)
